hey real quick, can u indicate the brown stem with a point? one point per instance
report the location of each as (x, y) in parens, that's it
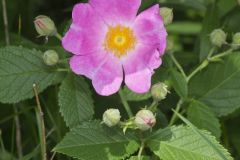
(41, 125)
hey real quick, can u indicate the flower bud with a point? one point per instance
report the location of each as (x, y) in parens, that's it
(45, 26)
(111, 117)
(218, 37)
(159, 91)
(50, 57)
(236, 38)
(167, 15)
(144, 120)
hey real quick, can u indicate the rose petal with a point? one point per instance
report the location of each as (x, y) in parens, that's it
(87, 32)
(87, 65)
(116, 10)
(149, 29)
(108, 77)
(139, 66)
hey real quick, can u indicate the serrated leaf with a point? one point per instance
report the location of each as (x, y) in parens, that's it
(75, 100)
(182, 143)
(132, 96)
(179, 83)
(20, 68)
(218, 85)
(93, 141)
(204, 118)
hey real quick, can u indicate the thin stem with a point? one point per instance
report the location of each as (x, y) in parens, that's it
(209, 59)
(18, 133)
(222, 54)
(1, 141)
(15, 114)
(141, 150)
(125, 103)
(58, 36)
(54, 153)
(153, 106)
(178, 65)
(211, 52)
(5, 21)
(41, 125)
(199, 68)
(174, 117)
(62, 70)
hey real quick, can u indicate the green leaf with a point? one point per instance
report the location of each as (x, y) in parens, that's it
(93, 141)
(204, 118)
(218, 85)
(226, 6)
(187, 28)
(194, 4)
(182, 143)
(20, 68)
(142, 158)
(75, 100)
(132, 96)
(210, 22)
(179, 83)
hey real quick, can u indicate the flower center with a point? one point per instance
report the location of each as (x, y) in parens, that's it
(119, 40)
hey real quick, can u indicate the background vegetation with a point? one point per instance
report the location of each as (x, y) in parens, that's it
(194, 20)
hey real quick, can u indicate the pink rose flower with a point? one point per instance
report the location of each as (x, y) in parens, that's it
(110, 42)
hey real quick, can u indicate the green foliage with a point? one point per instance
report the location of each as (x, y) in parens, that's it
(182, 142)
(93, 141)
(210, 22)
(132, 96)
(179, 83)
(209, 97)
(218, 85)
(204, 118)
(20, 69)
(76, 104)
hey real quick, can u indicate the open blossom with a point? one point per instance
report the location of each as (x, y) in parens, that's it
(111, 44)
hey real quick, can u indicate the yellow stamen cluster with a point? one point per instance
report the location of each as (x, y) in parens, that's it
(119, 40)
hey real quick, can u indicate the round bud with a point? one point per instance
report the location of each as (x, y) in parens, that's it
(50, 57)
(218, 37)
(45, 26)
(159, 91)
(167, 15)
(236, 38)
(111, 117)
(144, 120)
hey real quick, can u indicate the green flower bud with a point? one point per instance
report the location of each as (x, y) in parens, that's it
(144, 120)
(45, 26)
(236, 38)
(50, 57)
(218, 37)
(159, 91)
(111, 117)
(167, 15)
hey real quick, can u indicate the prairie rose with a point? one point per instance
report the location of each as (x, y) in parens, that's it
(110, 42)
